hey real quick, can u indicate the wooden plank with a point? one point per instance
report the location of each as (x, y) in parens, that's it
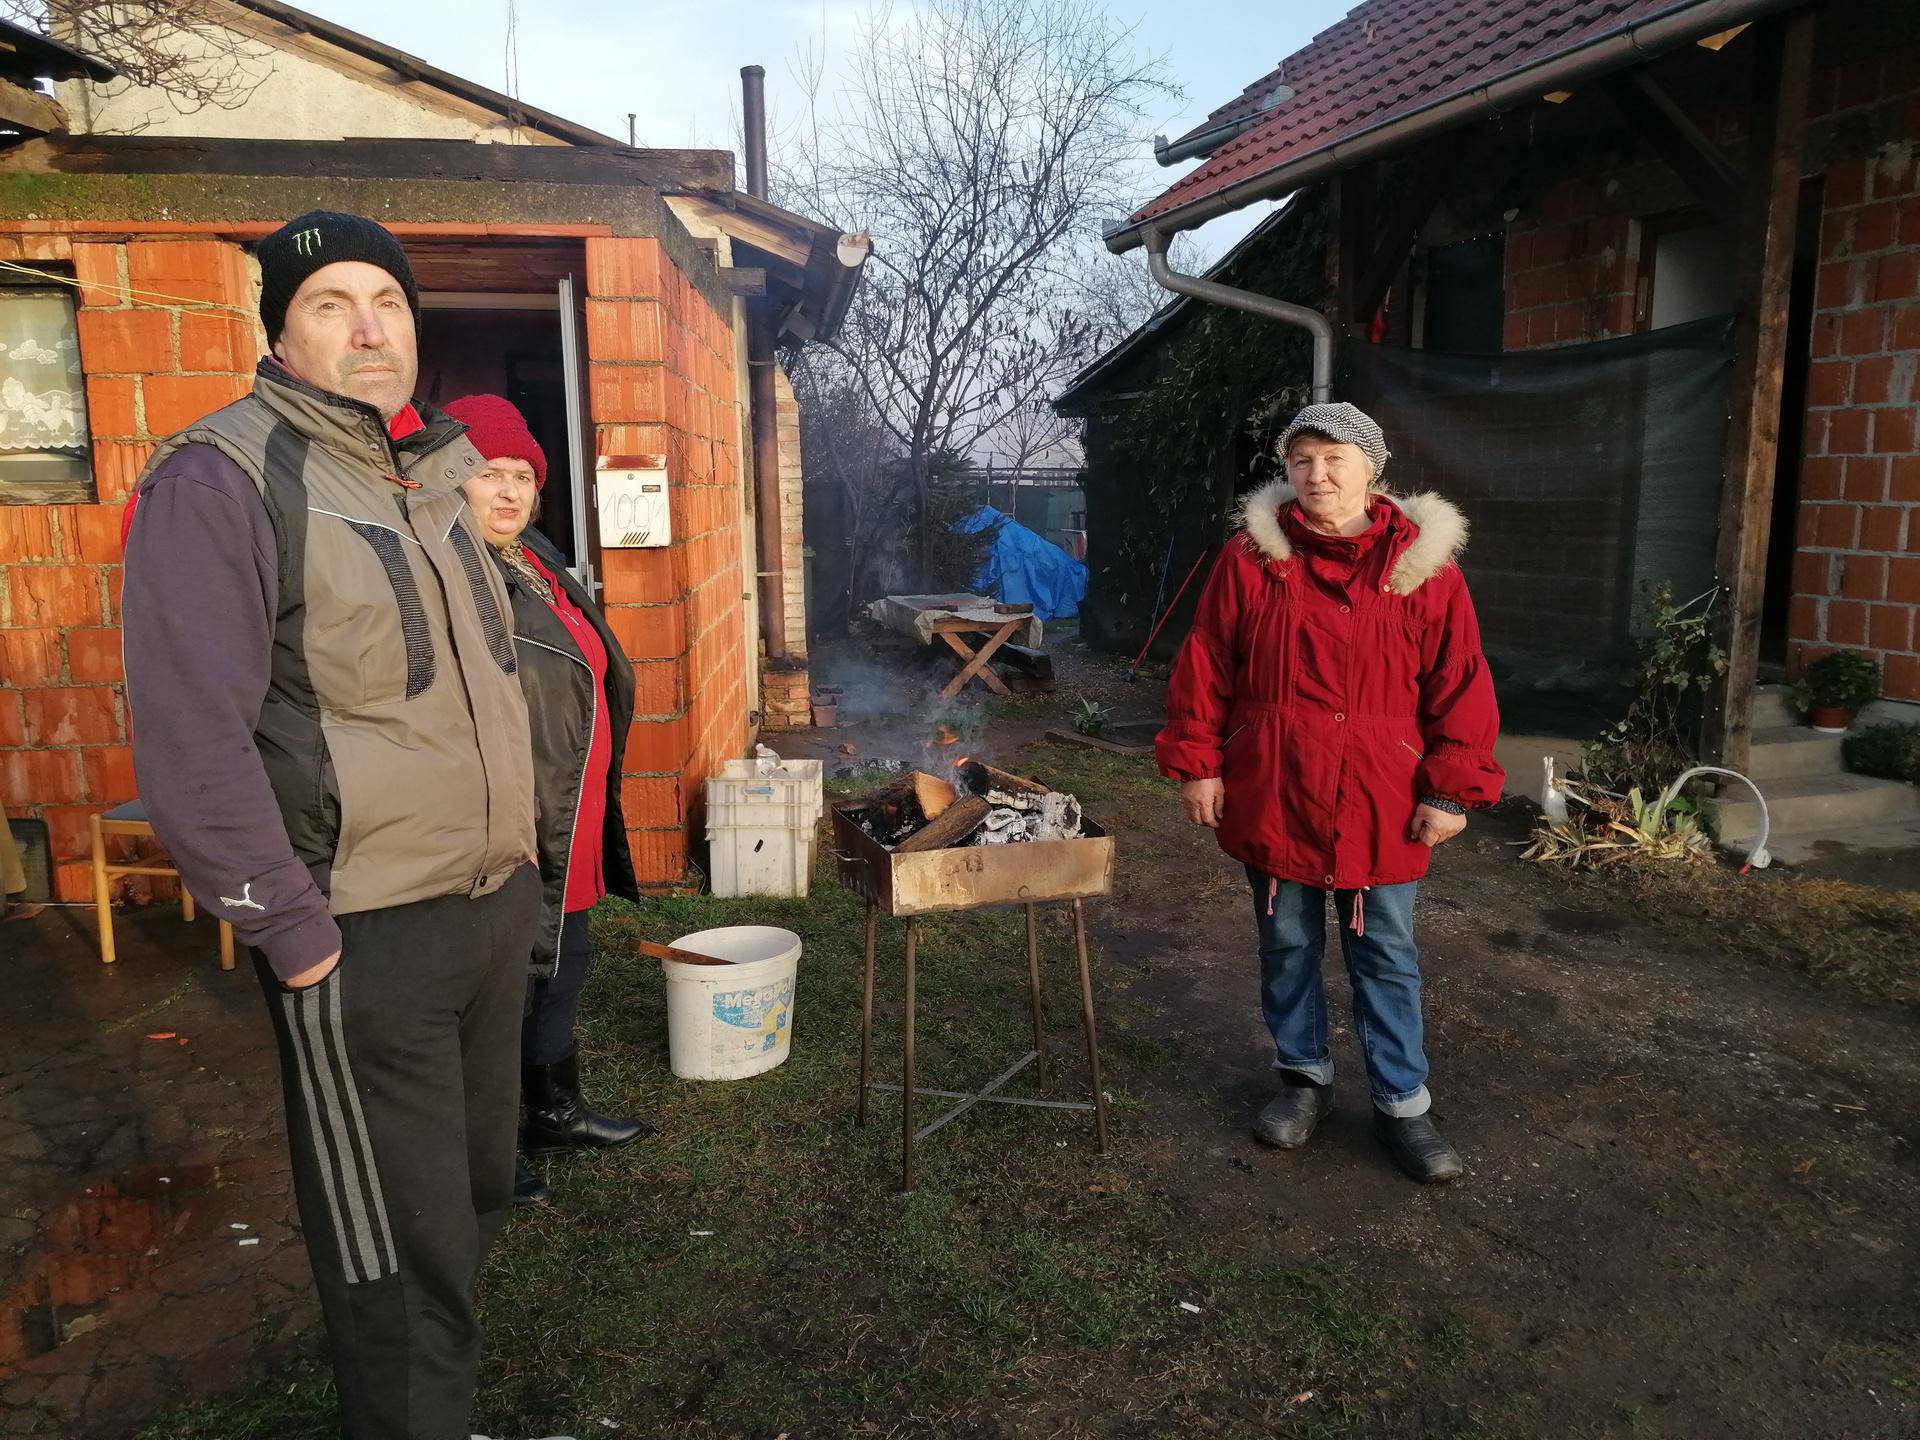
(1769, 209)
(743, 279)
(30, 110)
(1670, 132)
(788, 244)
(369, 160)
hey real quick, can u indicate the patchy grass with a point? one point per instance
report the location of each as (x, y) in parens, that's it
(1028, 1278)
(1853, 936)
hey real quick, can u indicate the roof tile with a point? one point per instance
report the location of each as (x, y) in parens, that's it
(1384, 59)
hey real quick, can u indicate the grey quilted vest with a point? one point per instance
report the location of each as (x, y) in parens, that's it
(394, 731)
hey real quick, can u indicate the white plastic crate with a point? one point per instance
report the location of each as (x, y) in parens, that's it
(761, 859)
(792, 794)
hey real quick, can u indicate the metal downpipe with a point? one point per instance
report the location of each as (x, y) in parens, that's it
(1287, 313)
(761, 395)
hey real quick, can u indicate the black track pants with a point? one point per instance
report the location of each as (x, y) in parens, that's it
(402, 1080)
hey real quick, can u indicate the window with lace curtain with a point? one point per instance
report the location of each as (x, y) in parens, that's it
(45, 453)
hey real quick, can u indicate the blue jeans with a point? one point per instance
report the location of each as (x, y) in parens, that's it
(1382, 965)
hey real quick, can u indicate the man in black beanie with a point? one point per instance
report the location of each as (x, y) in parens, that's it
(333, 743)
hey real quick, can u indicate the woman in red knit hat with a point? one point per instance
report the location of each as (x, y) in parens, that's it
(579, 690)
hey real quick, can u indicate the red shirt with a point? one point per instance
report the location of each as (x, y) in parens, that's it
(586, 877)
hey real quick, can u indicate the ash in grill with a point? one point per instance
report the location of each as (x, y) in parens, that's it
(980, 805)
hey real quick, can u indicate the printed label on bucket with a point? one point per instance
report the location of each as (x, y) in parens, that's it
(756, 1020)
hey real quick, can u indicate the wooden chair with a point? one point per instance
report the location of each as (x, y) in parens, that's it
(131, 819)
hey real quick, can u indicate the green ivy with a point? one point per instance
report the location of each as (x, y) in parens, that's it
(1169, 455)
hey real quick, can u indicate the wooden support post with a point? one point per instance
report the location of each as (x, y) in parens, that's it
(1394, 243)
(1769, 207)
(1350, 253)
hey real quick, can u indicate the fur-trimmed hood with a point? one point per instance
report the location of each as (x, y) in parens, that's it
(1441, 531)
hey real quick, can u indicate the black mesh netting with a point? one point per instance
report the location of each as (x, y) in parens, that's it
(1589, 473)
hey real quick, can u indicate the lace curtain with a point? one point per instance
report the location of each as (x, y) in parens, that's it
(43, 396)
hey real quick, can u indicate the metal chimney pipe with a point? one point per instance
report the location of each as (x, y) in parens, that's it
(767, 529)
(753, 118)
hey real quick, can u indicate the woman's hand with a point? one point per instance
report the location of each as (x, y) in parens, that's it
(1435, 827)
(1204, 801)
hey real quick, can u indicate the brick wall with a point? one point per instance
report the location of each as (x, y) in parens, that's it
(166, 335)
(1571, 272)
(1856, 576)
(663, 383)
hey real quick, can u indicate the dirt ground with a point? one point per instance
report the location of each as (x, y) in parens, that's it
(1693, 1199)
(1689, 1209)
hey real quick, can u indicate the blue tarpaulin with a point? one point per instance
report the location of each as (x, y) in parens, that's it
(1025, 568)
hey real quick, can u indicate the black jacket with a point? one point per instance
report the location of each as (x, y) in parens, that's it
(560, 701)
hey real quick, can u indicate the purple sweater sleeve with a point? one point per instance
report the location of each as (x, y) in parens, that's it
(201, 588)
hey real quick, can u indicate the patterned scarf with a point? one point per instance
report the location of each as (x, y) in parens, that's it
(513, 555)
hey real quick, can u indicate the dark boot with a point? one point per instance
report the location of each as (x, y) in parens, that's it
(528, 1188)
(1291, 1116)
(557, 1116)
(1417, 1148)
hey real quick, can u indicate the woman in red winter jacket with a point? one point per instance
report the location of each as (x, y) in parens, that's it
(1331, 717)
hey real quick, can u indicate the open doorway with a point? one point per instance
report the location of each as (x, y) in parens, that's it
(508, 345)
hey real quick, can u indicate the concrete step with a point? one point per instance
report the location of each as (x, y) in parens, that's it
(1771, 710)
(1827, 845)
(1813, 804)
(1793, 752)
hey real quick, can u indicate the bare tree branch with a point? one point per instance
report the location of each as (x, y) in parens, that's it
(183, 49)
(979, 141)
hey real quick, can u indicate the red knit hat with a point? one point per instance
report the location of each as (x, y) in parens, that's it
(499, 433)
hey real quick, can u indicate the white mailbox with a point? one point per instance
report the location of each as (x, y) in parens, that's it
(632, 495)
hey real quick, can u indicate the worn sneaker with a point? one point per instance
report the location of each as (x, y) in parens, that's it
(1417, 1148)
(1289, 1119)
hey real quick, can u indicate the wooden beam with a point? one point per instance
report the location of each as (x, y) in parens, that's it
(1769, 207)
(1651, 113)
(370, 160)
(1394, 243)
(1350, 230)
(29, 109)
(744, 279)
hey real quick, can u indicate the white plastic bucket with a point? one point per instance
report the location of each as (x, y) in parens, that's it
(725, 1022)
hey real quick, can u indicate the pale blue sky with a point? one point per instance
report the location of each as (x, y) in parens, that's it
(676, 66)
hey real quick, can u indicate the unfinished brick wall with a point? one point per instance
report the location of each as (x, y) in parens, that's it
(1856, 577)
(166, 334)
(662, 382)
(1572, 272)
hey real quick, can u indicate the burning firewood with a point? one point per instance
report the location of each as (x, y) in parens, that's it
(956, 825)
(910, 802)
(999, 786)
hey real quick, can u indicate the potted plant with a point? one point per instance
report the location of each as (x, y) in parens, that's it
(1834, 688)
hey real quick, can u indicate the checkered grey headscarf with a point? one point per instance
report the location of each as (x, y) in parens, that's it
(1343, 422)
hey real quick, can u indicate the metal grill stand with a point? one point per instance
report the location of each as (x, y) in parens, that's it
(972, 878)
(910, 1137)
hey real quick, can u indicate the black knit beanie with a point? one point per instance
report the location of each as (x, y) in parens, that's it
(322, 237)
